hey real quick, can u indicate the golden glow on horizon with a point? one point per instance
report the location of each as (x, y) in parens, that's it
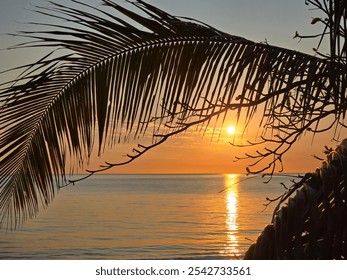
(231, 199)
(231, 130)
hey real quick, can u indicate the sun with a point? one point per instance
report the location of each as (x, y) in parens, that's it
(231, 130)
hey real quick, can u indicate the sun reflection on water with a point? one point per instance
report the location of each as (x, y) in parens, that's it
(231, 199)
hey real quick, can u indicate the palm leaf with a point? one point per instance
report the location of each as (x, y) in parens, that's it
(119, 73)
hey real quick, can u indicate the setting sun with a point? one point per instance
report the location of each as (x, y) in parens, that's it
(231, 130)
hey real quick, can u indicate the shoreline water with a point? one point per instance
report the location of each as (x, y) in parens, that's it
(146, 216)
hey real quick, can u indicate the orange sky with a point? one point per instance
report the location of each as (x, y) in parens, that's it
(189, 153)
(192, 153)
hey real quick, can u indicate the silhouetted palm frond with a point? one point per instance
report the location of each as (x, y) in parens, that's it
(118, 71)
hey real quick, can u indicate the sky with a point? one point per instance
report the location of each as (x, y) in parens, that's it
(272, 20)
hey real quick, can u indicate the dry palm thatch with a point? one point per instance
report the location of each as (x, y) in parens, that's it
(313, 223)
(115, 73)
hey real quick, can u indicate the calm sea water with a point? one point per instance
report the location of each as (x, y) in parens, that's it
(147, 217)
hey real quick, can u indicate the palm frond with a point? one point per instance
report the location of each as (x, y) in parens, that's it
(117, 71)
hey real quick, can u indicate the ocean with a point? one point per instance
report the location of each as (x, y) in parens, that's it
(148, 217)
